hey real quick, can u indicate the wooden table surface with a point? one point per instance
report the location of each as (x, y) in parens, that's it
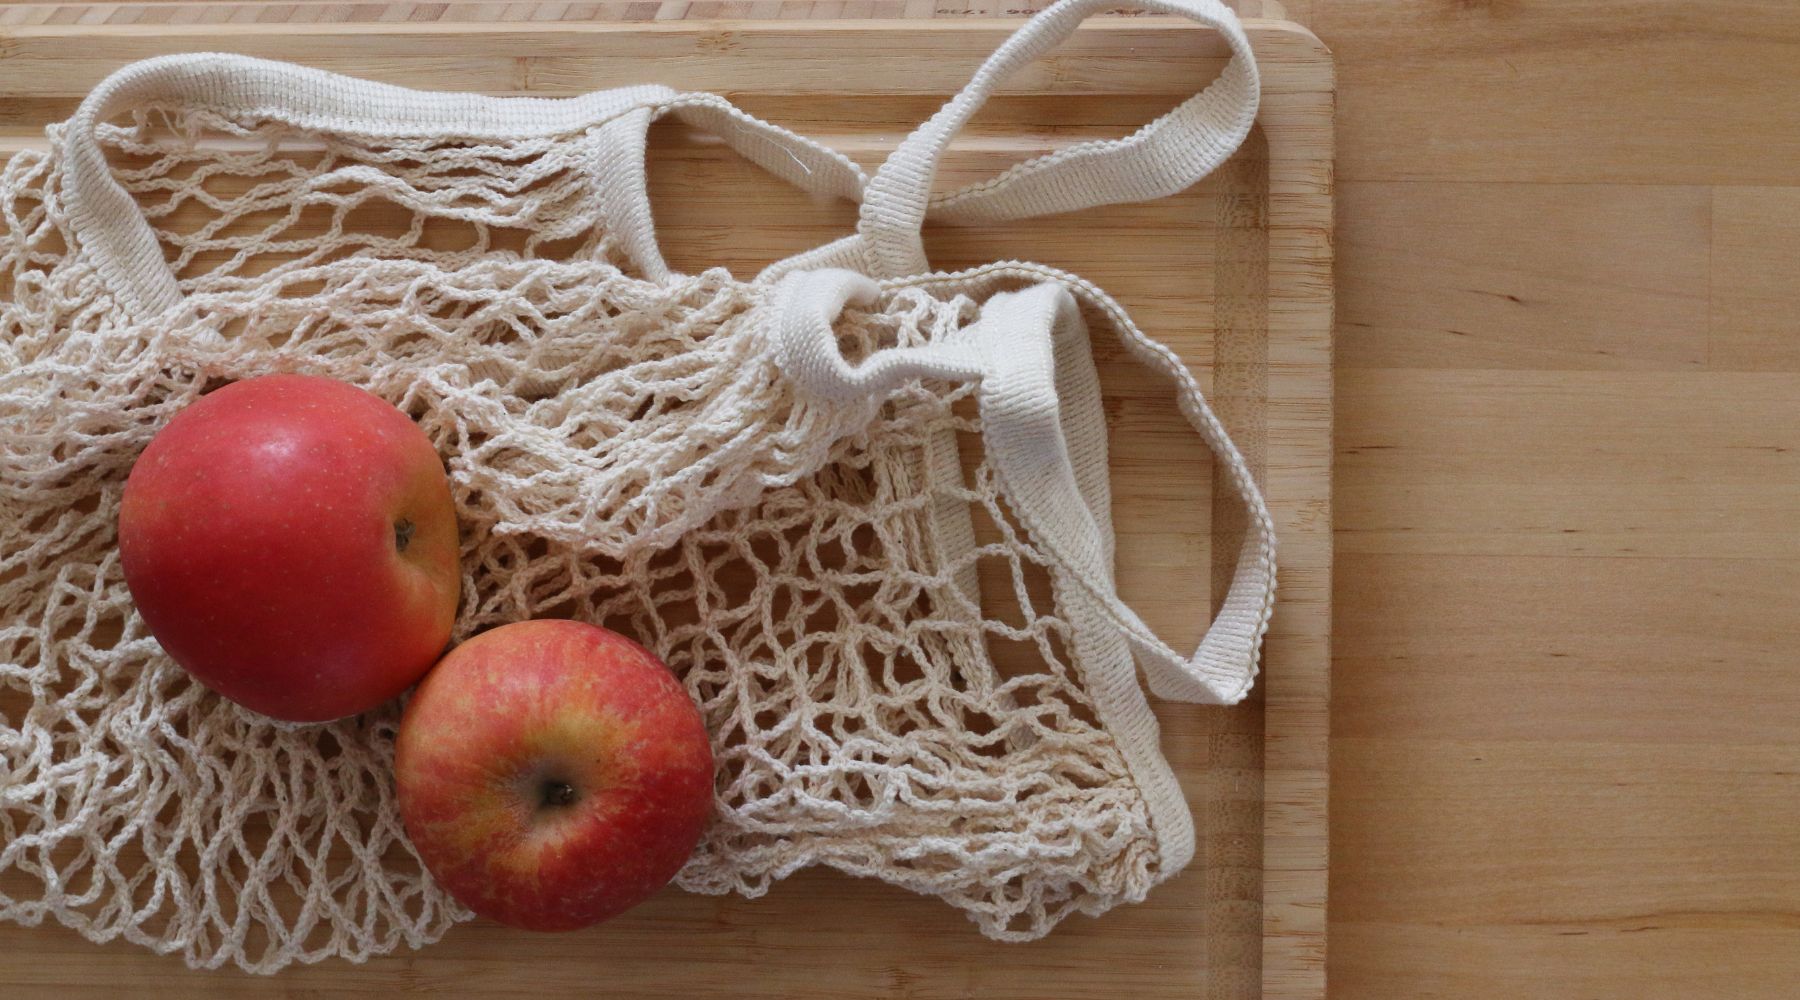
(1566, 717)
(1567, 689)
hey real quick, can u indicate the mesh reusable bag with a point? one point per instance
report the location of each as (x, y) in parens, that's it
(772, 483)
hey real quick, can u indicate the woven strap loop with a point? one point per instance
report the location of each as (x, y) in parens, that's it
(102, 213)
(1162, 158)
(1017, 349)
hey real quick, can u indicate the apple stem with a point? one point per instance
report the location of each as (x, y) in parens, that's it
(403, 532)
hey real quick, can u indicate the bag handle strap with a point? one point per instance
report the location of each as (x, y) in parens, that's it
(1016, 349)
(102, 212)
(1164, 157)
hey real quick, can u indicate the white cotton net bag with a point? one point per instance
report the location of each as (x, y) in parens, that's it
(860, 508)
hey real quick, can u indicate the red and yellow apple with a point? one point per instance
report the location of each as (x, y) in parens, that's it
(291, 542)
(553, 774)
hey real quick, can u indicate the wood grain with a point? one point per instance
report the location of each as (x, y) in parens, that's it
(1234, 275)
(1536, 464)
(1565, 704)
(1566, 867)
(1434, 277)
(1567, 91)
(1753, 319)
(1559, 590)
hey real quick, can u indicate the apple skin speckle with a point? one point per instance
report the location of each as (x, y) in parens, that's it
(255, 534)
(562, 702)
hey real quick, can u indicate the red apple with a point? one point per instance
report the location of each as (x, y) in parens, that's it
(291, 542)
(553, 774)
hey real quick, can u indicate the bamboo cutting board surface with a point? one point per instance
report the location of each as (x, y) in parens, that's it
(1234, 275)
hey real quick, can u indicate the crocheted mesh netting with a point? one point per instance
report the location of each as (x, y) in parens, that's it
(621, 451)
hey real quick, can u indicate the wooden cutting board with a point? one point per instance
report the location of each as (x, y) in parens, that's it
(1235, 275)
